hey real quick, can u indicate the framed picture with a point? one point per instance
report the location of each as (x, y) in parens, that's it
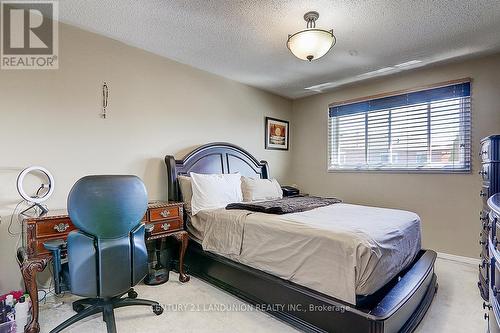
(276, 134)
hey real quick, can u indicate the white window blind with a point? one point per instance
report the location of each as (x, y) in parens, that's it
(427, 130)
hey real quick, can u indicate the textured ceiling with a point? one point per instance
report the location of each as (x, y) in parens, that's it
(244, 40)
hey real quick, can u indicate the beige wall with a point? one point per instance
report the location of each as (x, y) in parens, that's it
(157, 107)
(448, 204)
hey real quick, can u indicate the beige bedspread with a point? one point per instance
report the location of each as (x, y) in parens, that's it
(341, 250)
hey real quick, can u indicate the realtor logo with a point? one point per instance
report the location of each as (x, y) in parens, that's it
(29, 35)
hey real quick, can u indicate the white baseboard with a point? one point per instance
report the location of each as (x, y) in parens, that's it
(460, 259)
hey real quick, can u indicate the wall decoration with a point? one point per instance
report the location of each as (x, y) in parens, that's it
(105, 95)
(277, 133)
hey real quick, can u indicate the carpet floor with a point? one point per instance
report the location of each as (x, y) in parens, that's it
(199, 307)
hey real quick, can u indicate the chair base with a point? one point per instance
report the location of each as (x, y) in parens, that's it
(89, 306)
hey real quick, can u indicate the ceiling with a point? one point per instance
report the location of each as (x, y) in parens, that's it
(244, 40)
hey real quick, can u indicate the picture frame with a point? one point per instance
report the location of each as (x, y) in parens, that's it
(276, 134)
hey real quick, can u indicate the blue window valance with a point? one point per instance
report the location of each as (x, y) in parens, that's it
(407, 99)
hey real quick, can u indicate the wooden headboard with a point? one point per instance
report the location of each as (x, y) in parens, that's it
(218, 157)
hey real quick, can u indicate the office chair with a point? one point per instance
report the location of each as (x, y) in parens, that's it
(107, 255)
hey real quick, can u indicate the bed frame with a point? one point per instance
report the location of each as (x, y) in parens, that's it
(398, 307)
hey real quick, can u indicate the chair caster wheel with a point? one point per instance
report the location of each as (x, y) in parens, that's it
(78, 308)
(132, 294)
(157, 309)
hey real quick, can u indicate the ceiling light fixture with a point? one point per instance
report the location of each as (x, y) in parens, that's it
(311, 43)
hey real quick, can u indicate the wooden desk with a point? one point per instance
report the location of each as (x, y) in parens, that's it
(162, 219)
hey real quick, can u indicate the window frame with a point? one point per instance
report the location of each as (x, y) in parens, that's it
(400, 170)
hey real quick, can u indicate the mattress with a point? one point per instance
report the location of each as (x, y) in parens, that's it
(341, 250)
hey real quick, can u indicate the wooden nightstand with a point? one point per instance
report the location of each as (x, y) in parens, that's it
(165, 219)
(162, 219)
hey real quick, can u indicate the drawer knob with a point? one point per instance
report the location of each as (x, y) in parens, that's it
(486, 306)
(165, 226)
(149, 228)
(165, 213)
(483, 173)
(61, 227)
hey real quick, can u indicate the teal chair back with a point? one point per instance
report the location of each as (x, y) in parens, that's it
(107, 254)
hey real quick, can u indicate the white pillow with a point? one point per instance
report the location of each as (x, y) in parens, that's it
(212, 191)
(260, 189)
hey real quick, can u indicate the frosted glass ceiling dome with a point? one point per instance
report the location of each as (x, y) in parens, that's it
(311, 43)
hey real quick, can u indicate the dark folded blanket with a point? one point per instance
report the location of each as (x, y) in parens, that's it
(285, 205)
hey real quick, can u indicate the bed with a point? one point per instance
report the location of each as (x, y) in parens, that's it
(390, 294)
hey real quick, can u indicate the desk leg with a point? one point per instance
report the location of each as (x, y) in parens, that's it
(183, 238)
(29, 269)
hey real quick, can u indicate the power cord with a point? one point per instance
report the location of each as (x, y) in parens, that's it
(9, 229)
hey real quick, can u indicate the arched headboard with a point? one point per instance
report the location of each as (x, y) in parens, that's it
(218, 157)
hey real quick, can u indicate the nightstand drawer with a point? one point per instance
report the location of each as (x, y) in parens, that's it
(56, 227)
(163, 213)
(165, 227)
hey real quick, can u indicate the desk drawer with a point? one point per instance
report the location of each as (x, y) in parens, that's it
(163, 213)
(36, 247)
(56, 227)
(39, 248)
(164, 227)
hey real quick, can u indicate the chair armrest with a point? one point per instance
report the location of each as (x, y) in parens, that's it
(56, 246)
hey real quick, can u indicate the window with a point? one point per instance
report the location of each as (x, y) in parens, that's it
(426, 130)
